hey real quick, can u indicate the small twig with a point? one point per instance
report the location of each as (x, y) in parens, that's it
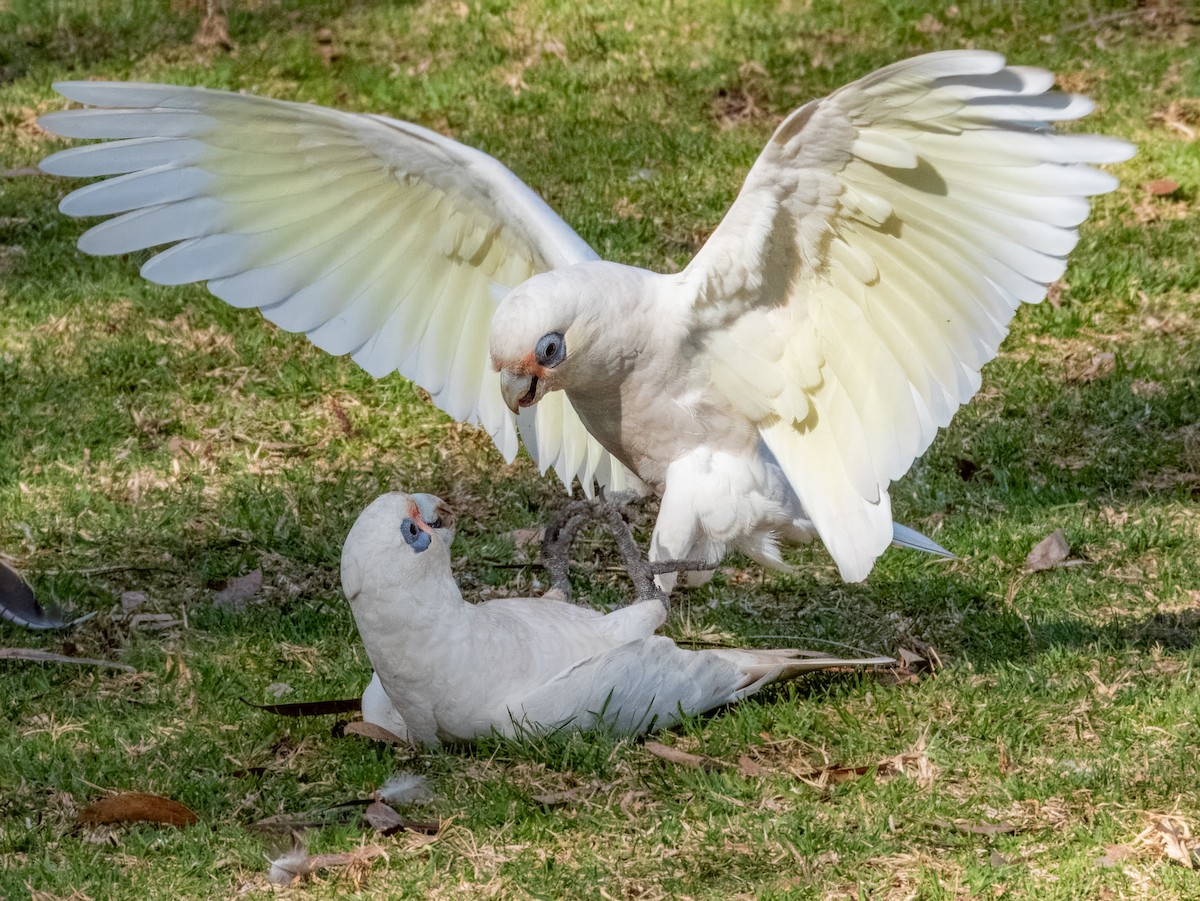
(1093, 21)
(106, 570)
(48, 657)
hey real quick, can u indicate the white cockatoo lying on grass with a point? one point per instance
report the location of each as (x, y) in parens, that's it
(449, 671)
(772, 390)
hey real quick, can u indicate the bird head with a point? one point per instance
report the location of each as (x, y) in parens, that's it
(533, 338)
(397, 541)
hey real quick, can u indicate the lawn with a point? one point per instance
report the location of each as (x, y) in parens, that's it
(156, 444)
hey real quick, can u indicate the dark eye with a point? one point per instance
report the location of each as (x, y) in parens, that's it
(436, 524)
(551, 350)
(416, 538)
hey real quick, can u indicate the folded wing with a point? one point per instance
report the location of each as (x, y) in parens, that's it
(871, 265)
(374, 237)
(651, 683)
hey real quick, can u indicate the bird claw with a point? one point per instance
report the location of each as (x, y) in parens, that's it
(564, 527)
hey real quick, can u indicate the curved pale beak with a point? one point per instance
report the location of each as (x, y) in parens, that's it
(518, 389)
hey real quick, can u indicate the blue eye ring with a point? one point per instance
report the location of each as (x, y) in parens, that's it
(414, 536)
(551, 349)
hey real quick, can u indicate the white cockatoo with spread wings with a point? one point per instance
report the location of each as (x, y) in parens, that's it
(771, 391)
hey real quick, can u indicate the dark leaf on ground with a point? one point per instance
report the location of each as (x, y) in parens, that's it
(309, 708)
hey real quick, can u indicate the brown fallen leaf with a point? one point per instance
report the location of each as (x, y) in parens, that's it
(1048, 553)
(912, 660)
(914, 763)
(683, 758)
(234, 594)
(1115, 855)
(1176, 842)
(1100, 365)
(825, 776)
(364, 729)
(137, 807)
(1161, 187)
(213, 34)
(523, 538)
(383, 819)
(751, 768)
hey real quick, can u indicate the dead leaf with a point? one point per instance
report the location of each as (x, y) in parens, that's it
(836, 774)
(21, 171)
(296, 865)
(1100, 365)
(751, 768)
(48, 657)
(1175, 840)
(213, 35)
(383, 819)
(234, 594)
(1048, 553)
(1161, 187)
(132, 600)
(911, 659)
(373, 732)
(1115, 855)
(1182, 117)
(683, 758)
(930, 24)
(916, 761)
(523, 538)
(137, 807)
(326, 49)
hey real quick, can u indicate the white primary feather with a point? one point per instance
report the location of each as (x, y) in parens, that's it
(376, 238)
(877, 252)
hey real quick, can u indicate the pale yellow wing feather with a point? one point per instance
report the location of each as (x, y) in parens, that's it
(376, 238)
(872, 263)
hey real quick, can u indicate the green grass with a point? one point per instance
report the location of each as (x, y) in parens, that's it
(159, 431)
